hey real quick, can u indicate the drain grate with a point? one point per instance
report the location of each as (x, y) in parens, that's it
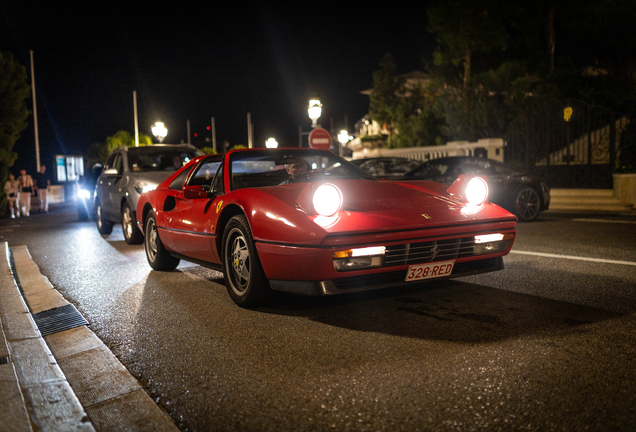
(58, 319)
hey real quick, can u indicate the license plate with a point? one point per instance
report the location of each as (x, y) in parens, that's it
(429, 271)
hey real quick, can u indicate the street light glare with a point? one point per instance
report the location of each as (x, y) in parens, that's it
(344, 137)
(271, 143)
(314, 110)
(159, 131)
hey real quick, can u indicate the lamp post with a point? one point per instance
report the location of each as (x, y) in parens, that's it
(314, 110)
(159, 131)
(271, 143)
(343, 139)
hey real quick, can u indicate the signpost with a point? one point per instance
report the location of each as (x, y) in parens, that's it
(320, 139)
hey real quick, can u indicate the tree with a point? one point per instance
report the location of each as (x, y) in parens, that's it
(14, 91)
(489, 104)
(99, 151)
(385, 96)
(464, 28)
(402, 108)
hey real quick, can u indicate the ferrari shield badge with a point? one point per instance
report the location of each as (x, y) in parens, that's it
(218, 206)
(425, 216)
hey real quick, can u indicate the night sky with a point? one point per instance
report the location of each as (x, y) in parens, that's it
(193, 62)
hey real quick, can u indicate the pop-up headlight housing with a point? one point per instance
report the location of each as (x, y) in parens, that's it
(471, 190)
(327, 200)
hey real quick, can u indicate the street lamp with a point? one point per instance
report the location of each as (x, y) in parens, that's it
(344, 137)
(314, 110)
(159, 131)
(271, 143)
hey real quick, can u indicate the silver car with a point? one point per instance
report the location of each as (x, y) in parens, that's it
(128, 172)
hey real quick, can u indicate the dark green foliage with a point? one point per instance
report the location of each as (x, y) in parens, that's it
(99, 151)
(14, 90)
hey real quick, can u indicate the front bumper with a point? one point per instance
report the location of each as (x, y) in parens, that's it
(316, 270)
(379, 281)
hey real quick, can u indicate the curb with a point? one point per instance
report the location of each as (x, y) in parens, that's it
(55, 373)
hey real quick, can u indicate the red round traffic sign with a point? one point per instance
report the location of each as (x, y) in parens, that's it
(320, 139)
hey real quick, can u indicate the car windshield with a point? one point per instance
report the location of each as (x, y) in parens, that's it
(251, 169)
(150, 158)
(431, 168)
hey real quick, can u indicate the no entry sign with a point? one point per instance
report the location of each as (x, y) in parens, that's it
(320, 139)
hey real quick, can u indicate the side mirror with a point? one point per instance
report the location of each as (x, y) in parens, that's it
(195, 192)
(110, 172)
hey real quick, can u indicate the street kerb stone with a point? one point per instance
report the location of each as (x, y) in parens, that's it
(45, 300)
(14, 417)
(96, 375)
(18, 326)
(73, 341)
(134, 411)
(57, 408)
(34, 362)
(12, 303)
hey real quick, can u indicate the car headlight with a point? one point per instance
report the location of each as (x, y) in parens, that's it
(327, 200)
(142, 187)
(83, 194)
(476, 191)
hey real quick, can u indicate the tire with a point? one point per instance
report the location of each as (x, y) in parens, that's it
(527, 204)
(158, 257)
(104, 226)
(132, 234)
(244, 277)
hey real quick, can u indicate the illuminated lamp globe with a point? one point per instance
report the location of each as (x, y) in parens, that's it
(327, 200)
(476, 191)
(315, 111)
(159, 131)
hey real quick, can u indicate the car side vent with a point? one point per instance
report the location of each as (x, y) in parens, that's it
(169, 204)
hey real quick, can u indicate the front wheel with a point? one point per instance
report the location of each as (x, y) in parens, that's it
(527, 204)
(104, 226)
(244, 277)
(158, 257)
(132, 234)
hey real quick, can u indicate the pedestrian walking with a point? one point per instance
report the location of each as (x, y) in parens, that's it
(26, 191)
(12, 189)
(42, 183)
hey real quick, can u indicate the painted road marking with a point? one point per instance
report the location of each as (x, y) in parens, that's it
(604, 221)
(599, 260)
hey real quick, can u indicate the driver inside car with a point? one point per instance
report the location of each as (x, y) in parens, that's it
(295, 170)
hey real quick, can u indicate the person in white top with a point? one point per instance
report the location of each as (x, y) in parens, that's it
(12, 189)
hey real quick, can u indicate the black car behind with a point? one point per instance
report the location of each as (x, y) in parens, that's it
(517, 192)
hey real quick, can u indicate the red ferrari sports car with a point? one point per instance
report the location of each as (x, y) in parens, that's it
(306, 221)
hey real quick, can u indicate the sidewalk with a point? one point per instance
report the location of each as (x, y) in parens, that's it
(55, 374)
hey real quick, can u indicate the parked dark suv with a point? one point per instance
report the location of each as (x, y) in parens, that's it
(128, 172)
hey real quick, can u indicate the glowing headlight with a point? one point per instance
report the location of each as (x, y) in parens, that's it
(476, 191)
(83, 194)
(144, 187)
(327, 200)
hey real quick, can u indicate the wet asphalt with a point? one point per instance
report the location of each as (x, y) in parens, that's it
(546, 344)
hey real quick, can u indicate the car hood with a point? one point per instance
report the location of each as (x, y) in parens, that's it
(155, 177)
(373, 207)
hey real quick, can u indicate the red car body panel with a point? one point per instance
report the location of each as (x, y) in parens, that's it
(294, 244)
